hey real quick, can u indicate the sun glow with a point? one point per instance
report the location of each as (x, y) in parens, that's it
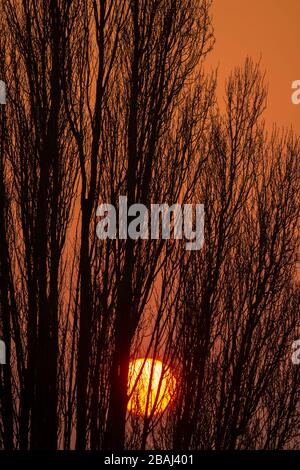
(151, 387)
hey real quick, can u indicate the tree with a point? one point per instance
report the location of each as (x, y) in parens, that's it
(240, 298)
(106, 99)
(42, 172)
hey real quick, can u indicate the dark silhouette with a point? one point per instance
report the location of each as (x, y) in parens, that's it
(108, 98)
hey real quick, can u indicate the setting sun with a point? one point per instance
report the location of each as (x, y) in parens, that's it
(151, 387)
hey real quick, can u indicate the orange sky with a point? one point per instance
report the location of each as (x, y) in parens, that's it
(269, 29)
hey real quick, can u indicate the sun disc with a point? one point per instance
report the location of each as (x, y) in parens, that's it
(151, 387)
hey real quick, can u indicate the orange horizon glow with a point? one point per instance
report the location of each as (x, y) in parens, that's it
(151, 387)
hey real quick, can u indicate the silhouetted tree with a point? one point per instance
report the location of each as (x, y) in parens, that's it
(240, 299)
(109, 98)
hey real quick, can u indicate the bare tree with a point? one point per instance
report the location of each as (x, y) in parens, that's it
(240, 300)
(42, 170)
(107, 99)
